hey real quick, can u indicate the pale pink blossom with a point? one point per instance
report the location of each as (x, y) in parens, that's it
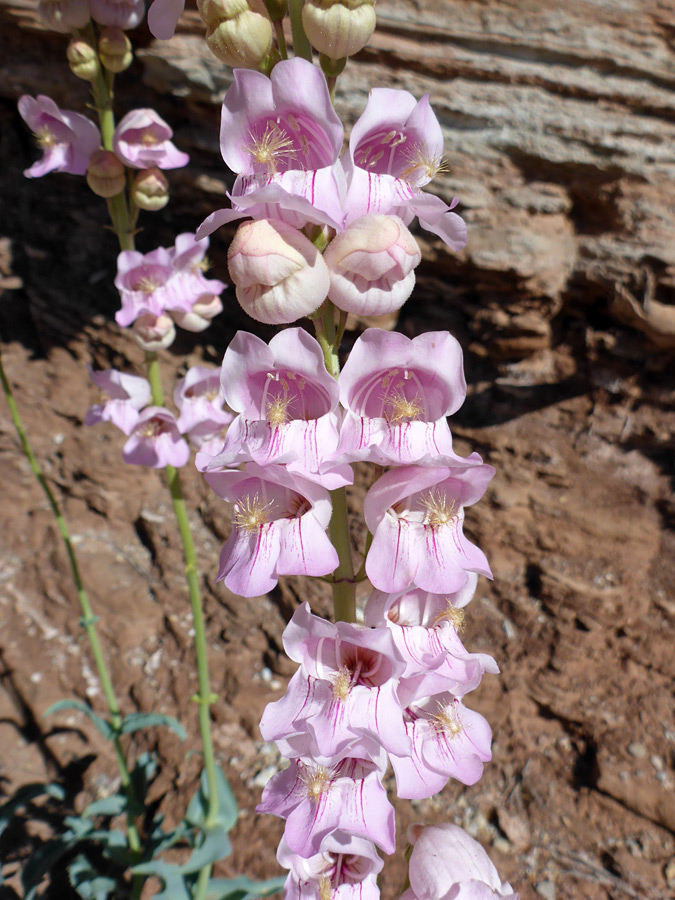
(126, 395)
(346, 865)
(67, 139)
(317, 801)
(64, 15)
(155, 441)
(282, 137)
(397, 393)
(416, 607)
(200, 401)
(396, 148)
(142, 140)
(153, 332)
(117, 13)
(447, 864)
(163, 16)
(415, 515)
(279, 528)
(144, 283)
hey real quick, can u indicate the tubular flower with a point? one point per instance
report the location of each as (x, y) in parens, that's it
(67, 139)
(280, 523)
(126, 395)
(142, 140)
(345, 869)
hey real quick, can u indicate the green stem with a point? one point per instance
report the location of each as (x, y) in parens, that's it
(301, 46)
(88, 619)
(344, 588)
(281, 40)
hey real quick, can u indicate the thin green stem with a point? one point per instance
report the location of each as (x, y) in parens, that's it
(344, 588)
(281, 39)
(88, 619)
(301, 46)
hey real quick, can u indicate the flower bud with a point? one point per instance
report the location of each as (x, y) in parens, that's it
(371, 265)
(114, 48)
(276, 9)
(338, 28)
(153, 332)
(150, 190)
(238, 32)
(83, 59)
(279, 274)
(106, 175)
(199, 318)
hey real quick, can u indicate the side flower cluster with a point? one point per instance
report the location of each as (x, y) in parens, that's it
(156, 437)
(390, 690)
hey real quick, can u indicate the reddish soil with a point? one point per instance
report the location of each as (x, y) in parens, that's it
(578, 527)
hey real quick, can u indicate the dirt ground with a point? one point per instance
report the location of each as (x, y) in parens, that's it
(578, 801)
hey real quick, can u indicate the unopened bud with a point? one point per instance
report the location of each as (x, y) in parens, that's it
(199, 317)
(83, 59)
(279, 274)
(238, 32)
(153, 332)
(277, 9)
(338, 28)
(64, 15)
(114, 48)
(372, 265)
(150, 190)
(106, 175)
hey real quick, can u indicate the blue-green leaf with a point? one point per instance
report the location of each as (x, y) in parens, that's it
(106, 806)
(136, 721)
(24, 795)
(88, 883)
(215, 846)
(102, 725)
(198, 807)
(175, 887)
(43, 861)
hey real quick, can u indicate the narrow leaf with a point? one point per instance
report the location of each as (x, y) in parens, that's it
(102, 725)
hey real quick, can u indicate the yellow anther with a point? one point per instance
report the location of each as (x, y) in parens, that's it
(401, 408)
(452, 615)
(422, 166)
(265, 150)
(447, 721)
(277, 411)
(250, 513)
(341, 683)
(316, 781)
(439, 510)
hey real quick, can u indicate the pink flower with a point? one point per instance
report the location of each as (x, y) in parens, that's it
(144, 283)
(68, 140)
(397, 393)
(415, 515)
(163, 17)
(317, 801)
(344, 695)
(280, 522)
(287, 403)
(346, 865)
(142, 140)
(127, 394)
(447, 864)
(448, 741)
(200, 402)
(416, 607)
(282, 137)
(155, 441)
(117, 13)
(395, 148)
(372, 265)
(189, 284)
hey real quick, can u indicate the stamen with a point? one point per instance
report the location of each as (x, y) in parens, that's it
(342, 682)
(146, 284)
(149, 139)
(316, 781)
(325, 888)
(250, 513)
(420, 161)
(266, 149)
(402, 409)
(446, 721)
(453, 615)
(45, 137)
(277, 411)
(151, 428)
(439, 511)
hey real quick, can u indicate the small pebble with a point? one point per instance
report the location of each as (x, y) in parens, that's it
(509, 629)
(58, 439)
(266, 674)
(545, 889)
(264, 776)
(637, 750)
(669, 872)
(657, 762)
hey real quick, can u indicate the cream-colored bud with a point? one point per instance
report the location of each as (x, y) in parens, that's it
(279, 274)
(114, 48)
(106, 175)
(238, 32)
(153, 332)
(83, 59)
(338, 28)
(150, 190)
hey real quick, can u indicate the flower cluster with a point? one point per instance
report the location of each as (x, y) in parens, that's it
(282, 138)
(156, 437)
(164, 288)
